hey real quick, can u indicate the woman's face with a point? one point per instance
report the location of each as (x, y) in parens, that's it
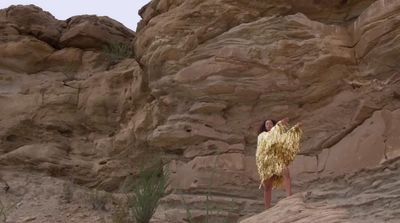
(269, 124)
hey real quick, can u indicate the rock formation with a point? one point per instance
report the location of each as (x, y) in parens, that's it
(204, 76)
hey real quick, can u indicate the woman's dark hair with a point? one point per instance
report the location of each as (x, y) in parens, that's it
(262, 127)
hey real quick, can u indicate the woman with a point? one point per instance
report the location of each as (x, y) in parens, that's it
(277, 146)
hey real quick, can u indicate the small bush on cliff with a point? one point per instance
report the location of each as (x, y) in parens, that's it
(116, 52)
(68, 191)
(147, 192)
(143, 196)
(213, 213)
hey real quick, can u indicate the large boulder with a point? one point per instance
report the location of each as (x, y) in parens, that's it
(94, 32)
(32, 20)
(24, 54)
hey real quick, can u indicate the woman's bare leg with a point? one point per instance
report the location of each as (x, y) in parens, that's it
(287, 182)
(267, 193)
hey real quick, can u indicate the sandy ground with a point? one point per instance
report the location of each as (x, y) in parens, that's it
(38, 198)
(371, 195)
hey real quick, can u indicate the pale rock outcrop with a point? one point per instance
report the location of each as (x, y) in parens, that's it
(24, 54)
(62, 108)
(365, 196)
(31, 20)
(94, 32)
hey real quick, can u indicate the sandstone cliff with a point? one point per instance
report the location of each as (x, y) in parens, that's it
(202, 77)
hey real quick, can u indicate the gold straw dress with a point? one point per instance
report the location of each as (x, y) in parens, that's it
(275, 150)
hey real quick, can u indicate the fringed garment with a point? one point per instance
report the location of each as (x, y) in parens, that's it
(275, 150)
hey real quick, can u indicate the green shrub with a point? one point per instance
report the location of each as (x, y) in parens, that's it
(212, 213)
(143, 195)
(116, 52)
(147, 192)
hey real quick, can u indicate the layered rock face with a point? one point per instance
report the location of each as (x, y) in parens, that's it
(221, 68)
(205, 75)
(62, 101)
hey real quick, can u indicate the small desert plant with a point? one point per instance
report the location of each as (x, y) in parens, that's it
(98, 199)
(117, 51)
(147, 192)
(188, 212)
(210, 211)
(4, 211)
(121, 214)
(68, 192)
(128, 183)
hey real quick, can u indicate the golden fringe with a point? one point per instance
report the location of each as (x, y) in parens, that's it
(275, 150)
